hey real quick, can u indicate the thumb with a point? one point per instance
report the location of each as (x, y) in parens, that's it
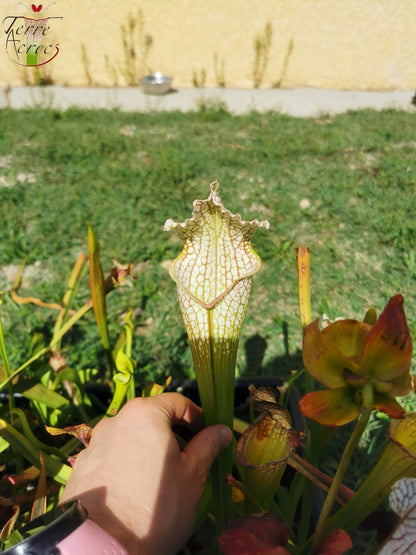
(207, 444)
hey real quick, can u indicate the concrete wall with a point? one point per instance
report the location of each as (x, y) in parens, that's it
(337, 44)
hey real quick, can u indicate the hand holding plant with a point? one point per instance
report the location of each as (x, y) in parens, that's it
(135, 481)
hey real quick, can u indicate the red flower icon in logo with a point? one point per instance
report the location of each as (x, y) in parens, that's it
(36, 9)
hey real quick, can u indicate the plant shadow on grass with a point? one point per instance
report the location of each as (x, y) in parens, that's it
(278, 367)
(274, 374)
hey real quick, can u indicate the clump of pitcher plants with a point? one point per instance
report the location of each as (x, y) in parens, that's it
(262, 488)
(364, 366)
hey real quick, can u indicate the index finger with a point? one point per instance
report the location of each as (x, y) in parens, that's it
(175, 407)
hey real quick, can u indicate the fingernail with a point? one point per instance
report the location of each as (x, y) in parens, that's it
(226, 436)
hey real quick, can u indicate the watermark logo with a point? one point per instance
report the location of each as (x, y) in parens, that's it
(31, 41)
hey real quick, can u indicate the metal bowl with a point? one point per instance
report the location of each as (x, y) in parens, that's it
(156, 84)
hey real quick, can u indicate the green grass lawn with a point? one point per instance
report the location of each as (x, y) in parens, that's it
(344, 186)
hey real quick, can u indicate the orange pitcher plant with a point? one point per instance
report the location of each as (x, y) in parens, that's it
(364, 366)
(213, 275)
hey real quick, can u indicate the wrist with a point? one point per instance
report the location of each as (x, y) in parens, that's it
(117, 521)
(88, 539)
(66, 532)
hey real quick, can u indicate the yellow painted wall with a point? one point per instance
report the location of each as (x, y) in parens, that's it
(339, 44)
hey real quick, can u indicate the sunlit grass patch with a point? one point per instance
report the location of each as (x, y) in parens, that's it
(344, 186)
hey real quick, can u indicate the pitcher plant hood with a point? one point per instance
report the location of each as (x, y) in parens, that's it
(217, 253)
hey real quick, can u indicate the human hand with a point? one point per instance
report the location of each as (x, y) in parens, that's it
(134, 480)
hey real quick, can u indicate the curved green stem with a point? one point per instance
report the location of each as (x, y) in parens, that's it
(367, 404)
(6, 366)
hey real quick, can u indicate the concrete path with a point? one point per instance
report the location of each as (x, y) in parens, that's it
(302, 102)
